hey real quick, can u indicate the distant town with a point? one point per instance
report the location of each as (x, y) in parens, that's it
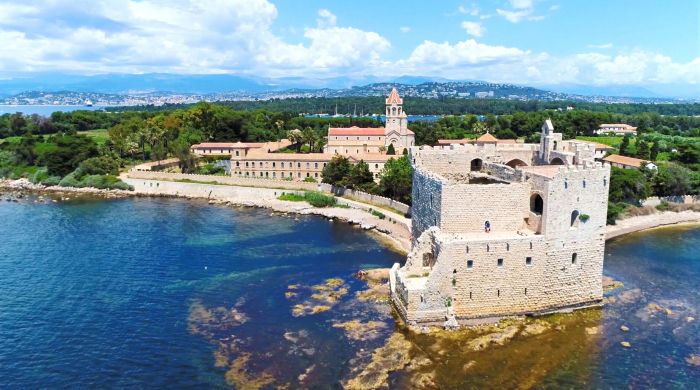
(428, 90)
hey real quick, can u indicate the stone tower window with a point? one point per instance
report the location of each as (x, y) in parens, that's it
(476, 164)
(470, 263)
(528, 260)
(574, 258)
(536, 204)
(470, 295)
(566, 184)
(498, 292)
(507, 247)
(530, 245)
(574, 218)
(584, 184)
(525, 290)
(500, 262)
(605, 182)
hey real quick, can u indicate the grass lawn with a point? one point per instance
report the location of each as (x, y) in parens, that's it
(10, 140)
(613, 141)
(100, 136)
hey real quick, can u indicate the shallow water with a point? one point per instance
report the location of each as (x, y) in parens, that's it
(155, 293)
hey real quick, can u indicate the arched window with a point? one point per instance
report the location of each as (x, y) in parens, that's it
(574, 217)
(536, 204)
(556, 161)
(476, 164)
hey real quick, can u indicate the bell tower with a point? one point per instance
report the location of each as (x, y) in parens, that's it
(396, 120)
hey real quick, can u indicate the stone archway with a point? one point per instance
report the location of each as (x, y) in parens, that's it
(476, 165)
(536, 204)
(514, 163)
(557, 161)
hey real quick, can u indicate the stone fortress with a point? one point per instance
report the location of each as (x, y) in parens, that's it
(503, 228)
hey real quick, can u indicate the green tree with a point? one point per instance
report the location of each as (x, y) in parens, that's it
(390, 150)
(336, 171)
(624, 145)
(654, 152)
(628, 185)
(396, 179)
(360, 177)
(673, 180)
(643, 151)
(69, 152)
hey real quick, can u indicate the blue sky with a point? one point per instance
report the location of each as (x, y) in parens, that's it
(537, 42)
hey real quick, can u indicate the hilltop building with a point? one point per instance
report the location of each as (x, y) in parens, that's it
(368, 144)
(616, 128)
(503, 229)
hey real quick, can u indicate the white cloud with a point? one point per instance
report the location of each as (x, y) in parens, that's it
(473, 28)
(522, 10)
(472, 10)
(327, 19)
(236, 36)
(405, 29)
(521, 4)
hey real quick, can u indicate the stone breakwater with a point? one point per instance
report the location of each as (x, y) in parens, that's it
(16, 188)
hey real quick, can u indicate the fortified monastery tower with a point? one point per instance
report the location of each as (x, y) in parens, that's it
(396, 129)
(502, 228)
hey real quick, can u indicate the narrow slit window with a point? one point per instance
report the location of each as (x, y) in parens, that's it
(500, 262)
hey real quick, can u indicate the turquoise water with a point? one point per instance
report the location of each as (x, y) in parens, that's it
(98, 293)
(141, 293)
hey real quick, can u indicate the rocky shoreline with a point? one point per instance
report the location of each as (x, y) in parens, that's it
(394, 235)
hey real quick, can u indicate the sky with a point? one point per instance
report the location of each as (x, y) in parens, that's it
(533, 42)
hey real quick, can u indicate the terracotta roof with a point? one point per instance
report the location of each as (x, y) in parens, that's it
(209, 145)
(354, 130)
(624, 125)
(374, 157)
(487, 138)
(394, 97)
(288, 156)
(624, 160)
(355, 142)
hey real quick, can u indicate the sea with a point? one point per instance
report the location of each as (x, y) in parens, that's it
(170, 293)
(44, 110)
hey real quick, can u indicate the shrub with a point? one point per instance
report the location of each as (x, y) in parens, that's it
(318, 199)
(103, 165)
(310, 180)
(584, 217)
(377, 214)
(291, 197)
(210, 169)
(663, 206)
(614, 211)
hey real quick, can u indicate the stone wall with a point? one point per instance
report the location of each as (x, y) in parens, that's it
(466, 207)
(427, 198)
(226, 180)
(206, 191)
(682, 199)
(360, 196)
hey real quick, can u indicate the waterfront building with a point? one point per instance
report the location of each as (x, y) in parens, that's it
(616, 128)
(503, 229)
(368, 144)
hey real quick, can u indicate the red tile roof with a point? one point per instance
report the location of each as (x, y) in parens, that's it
(624, 160)
(487, 138)
(394, 97)
(366, 131)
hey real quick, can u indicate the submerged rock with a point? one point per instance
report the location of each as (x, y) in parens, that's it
(624, 328)
(693, 360)
(393, 356)
(625, 344)
(239, 376)
(359, 331)
(496, 338)
(535, 328)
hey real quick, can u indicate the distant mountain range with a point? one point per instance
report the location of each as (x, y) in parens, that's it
(219, 87)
